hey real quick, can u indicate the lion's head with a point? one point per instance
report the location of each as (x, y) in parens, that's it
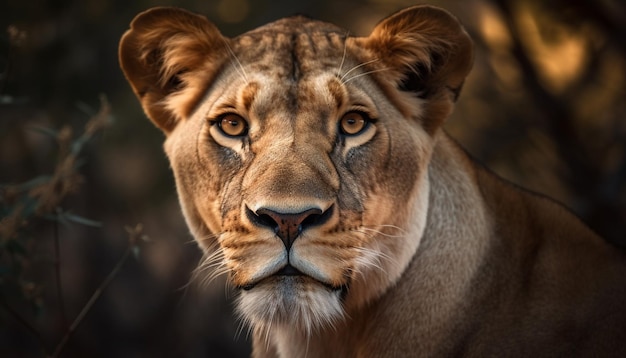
(301, 153)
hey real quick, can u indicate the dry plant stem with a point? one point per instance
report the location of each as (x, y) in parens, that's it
(48, 196)
(57, 270)
(16, 316)
(92, 300)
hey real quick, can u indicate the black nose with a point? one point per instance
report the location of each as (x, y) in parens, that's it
(288, 226)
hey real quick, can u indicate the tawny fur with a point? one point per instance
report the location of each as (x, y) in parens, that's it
(421, 252)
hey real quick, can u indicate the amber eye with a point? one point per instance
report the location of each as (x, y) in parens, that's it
(233, 125)
(353, 123)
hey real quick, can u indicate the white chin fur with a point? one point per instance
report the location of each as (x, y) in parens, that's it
(293, 301)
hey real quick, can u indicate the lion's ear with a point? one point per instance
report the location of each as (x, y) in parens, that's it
(426, 51)
(169, 56)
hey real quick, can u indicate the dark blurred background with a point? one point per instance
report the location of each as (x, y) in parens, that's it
(544, 107)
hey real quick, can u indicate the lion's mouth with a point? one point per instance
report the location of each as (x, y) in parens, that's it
(290, 271)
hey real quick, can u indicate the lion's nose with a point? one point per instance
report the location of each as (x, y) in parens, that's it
(288, 226)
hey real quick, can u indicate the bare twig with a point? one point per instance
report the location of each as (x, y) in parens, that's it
(46, 195)
(92, 300)
(30, 328)
(57, 270)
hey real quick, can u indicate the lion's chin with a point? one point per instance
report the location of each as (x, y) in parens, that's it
(300, 302)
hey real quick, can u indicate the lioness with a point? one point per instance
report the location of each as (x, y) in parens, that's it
(312, 167)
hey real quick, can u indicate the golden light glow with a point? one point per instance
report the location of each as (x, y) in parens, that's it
(494, 31)
(560, 60)
(498, 39)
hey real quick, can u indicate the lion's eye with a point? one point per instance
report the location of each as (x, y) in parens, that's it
(233, 125)
(353, 123)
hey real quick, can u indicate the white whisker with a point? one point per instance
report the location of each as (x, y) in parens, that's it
(208, 238)
(372, 258)
(235, 59)
(212, 266)
(364, 74)
(249, 330)
(379, 254)
(392, 227)
(355, 68)
(268, 329)
(370, 231)
(239, 330)
(343, 57)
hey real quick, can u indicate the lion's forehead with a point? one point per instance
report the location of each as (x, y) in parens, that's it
(292, 70)
(291, 49)
(311, 99)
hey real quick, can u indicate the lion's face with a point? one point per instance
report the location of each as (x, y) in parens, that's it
(306, 173)
(302, 167)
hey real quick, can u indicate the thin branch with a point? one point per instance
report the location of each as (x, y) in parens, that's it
(30, 328)
(57, 271)
(92, 300)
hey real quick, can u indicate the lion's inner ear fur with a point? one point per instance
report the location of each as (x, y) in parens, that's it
(168, 56)
(426, 51)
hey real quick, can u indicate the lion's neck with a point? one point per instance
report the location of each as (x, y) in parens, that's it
(450, 254)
